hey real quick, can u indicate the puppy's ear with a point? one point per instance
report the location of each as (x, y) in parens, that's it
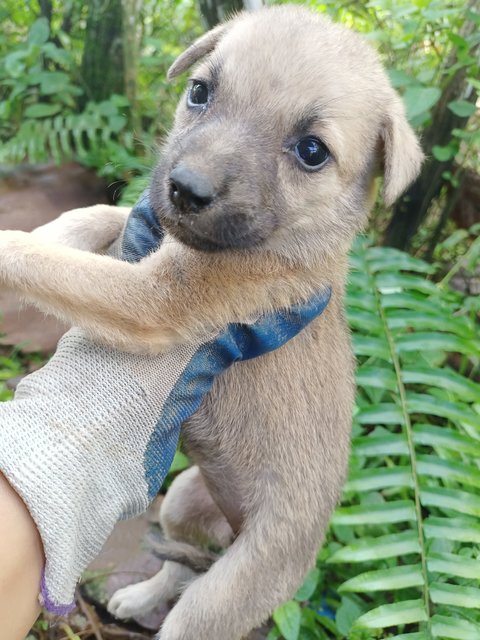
(403, 156)
(197, 50)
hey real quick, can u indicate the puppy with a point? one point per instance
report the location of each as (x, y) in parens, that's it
(265, 178)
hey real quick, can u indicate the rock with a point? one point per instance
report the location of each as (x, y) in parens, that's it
(30, 197)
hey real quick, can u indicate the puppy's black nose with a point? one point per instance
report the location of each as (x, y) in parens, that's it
(190, 190)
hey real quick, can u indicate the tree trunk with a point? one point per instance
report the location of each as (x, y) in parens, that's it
(103, 56)
(46, 9)
(214, 11)
(132, 34)
(412, 209)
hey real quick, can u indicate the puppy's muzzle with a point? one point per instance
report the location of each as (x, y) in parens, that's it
(190, 191)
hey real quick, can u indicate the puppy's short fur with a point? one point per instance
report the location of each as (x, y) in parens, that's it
(249, 229)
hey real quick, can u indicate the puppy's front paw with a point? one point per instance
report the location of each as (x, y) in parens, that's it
(134, 600)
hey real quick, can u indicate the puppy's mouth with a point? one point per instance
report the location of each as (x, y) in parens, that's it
(212, 231)
(211, 209)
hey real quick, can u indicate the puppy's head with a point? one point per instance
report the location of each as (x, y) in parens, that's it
(284, 125)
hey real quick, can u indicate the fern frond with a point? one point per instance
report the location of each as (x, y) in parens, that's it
(412, 499)
(98, 136)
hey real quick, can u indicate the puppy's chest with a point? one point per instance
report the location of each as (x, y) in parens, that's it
(267, 395)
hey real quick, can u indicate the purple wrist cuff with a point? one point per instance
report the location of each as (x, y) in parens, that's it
(47, 602)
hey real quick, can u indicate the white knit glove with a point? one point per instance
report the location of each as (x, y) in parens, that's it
(89, 438)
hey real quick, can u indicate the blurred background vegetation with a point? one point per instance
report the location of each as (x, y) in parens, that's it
(86, 81)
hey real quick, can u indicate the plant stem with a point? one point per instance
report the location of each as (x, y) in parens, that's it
(411, 448)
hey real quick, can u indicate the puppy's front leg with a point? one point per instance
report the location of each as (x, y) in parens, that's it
(261, 569)
(173, 295)
(91, 229)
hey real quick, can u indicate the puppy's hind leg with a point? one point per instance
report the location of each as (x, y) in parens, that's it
(188, 514)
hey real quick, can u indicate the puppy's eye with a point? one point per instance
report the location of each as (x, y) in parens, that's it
(197, 94)
(311, 152)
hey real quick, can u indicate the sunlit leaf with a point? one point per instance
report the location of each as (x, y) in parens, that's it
(287, 618)
(462, 108)
(385, 579)
(451, 500)
(391, 545)
(453, 594)
(389, 615)
(383, 513)
(383, 413)
(454, 565)
(388, 445)
(434, 437)
(454, 628)
(378, 478)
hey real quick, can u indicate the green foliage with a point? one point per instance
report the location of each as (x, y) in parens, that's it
(402, 559)
(45, 111)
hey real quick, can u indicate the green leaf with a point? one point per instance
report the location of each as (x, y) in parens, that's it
(309, 585)
(39, 32)
(457, 40)
(454, 628)
(462, 108)
(361, 300)
(368, 346)
(180, 462)
(407, 319)
(347, 614)
(389, 259)
(399, 78)
(421, 635)
(389, 546)
(54, 82)
(364, 320)
(434, 467)
(396, 282)
(389, 615)
(385, 579)
(14, 64)
(414, 301)
(458, 529)
(388, 445)
(420, 99)
(442, 154)
(434, 437)
(382, 413)
(444, 378)
(41, 110)
(451, 500)
(422, 403)
(375, 514)
(430, 341)
(454, 565)
(453, 594)
(379, 478)
(377, 378)
(287, 618)
(117, 123)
